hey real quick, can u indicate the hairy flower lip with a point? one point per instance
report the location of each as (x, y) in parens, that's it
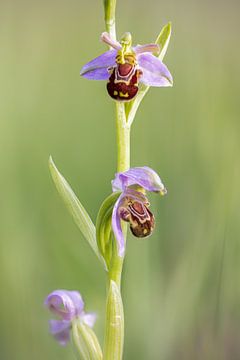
(141, 223)
(67, 305)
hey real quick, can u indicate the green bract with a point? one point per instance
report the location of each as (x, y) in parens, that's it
(131, 107)
(85, 341)
(113, 347)
(163, 40)
(104, 227)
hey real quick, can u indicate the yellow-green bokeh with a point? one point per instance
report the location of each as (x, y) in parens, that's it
(181, 286)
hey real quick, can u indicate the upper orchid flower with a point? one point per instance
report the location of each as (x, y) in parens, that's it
(125, 67)
(132, 205)
(68, 305)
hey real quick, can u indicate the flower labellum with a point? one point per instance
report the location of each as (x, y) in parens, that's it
(134, 210)
(125, 67)
(132, 205)
(124, 79)
(67, 305)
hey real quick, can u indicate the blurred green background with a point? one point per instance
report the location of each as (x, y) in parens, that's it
(181, 287)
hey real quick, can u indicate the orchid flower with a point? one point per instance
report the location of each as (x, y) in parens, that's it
(68, 305)
(132, 205)
(125, 67)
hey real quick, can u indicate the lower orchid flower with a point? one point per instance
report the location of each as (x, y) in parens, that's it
(125, 67)
(68, 305)
(132, 205)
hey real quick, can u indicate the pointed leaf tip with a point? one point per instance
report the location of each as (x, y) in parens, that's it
(76, 209)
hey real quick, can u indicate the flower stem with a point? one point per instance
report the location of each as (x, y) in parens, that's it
(110, 7)
(114, 327)
(123, 139)
(114, 333)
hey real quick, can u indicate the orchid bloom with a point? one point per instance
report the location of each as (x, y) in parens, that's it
(68, 305)
(132, 205)
(125, 67)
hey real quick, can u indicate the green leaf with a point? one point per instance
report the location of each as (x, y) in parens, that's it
(104, 227)
(163, 40)
(76, 209)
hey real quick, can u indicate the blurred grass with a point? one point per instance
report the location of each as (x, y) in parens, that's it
(181, 287)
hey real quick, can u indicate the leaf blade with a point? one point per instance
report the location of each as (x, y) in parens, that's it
(74, 206)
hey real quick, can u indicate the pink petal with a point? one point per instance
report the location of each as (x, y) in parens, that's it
(105, 37)
(151, 48)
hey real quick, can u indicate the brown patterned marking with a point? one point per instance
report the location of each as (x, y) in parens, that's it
(123, 89)
(141, 219)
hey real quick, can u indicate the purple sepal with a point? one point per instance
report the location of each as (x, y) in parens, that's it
(155, 73)
(60, 329)
(97, 69)
(142, 176)
(97, 74)
(64, 303)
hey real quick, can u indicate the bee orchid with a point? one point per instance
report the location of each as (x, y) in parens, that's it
(125, 67)
(132, 205)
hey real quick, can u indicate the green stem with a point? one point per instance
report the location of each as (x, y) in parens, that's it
(123, 139)
(114, 327)
(114, 335)
(110, 7)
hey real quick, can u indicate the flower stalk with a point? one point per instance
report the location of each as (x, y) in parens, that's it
(123, 138)
(110, 8)
(114, 327)
(114, 332)
(125, 113)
